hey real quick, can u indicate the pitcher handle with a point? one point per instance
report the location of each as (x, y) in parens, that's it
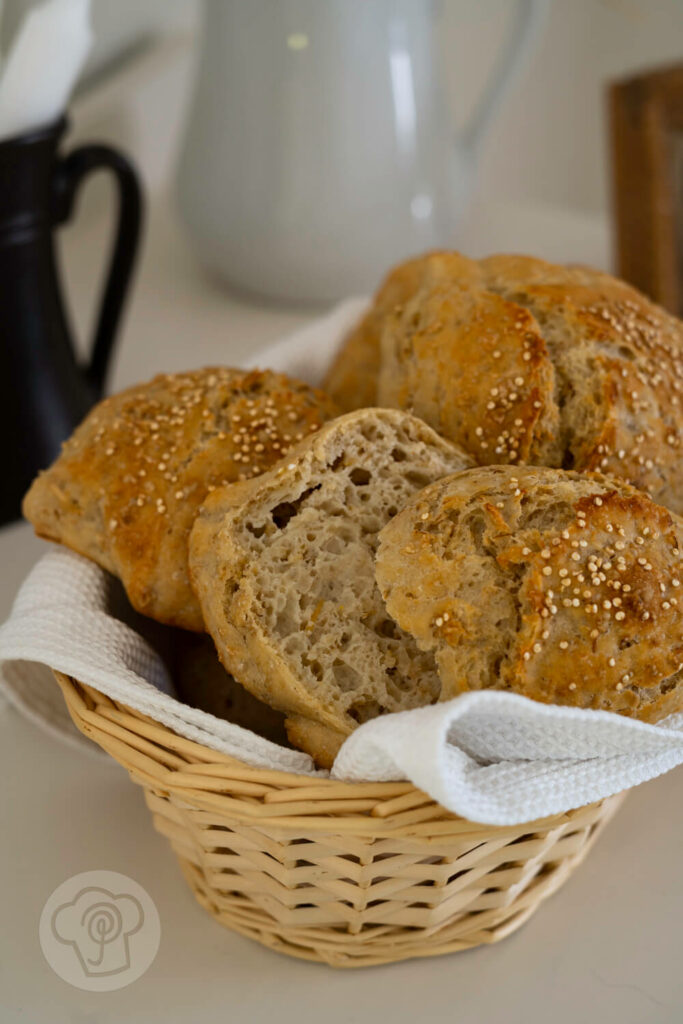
(69, 174)
(528, 21)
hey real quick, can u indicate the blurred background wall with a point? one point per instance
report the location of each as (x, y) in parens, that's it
(550, 142)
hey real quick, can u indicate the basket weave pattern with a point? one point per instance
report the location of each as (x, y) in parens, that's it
(350, 874)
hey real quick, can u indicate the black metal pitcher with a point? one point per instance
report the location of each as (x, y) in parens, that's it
(44, 390)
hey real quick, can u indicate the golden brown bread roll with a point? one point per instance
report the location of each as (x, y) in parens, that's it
(522, 361)
(601, 366)
(127, 486)
(563, 587)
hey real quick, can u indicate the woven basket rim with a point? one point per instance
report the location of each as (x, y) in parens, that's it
(164, 761)
(72, 687)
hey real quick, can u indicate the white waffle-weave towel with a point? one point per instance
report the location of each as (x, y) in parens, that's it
(492, 757)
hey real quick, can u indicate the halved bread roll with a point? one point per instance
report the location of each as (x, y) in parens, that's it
(284, 570)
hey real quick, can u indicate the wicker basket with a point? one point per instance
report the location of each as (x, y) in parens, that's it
(350, 874)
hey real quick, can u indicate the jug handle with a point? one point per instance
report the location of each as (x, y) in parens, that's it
(528, 21)
(69, 174)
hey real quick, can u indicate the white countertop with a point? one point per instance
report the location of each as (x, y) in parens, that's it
(606, 947)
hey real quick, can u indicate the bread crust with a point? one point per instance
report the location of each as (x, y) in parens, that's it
(476, 368)
(127, 486)
(619, 362)
(561, 586)
(352, 378)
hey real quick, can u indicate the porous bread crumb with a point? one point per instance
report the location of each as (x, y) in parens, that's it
(284, 568)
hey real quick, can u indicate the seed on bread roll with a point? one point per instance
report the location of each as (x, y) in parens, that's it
(127, 486)
(563, 587)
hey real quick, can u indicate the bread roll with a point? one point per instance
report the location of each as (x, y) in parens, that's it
(126, 488)
(284, 569)
(563, 587)
(520, 361)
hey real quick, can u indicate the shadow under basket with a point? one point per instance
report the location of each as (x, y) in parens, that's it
(348, 874)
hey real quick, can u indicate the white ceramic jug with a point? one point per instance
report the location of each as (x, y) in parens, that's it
(318, 149)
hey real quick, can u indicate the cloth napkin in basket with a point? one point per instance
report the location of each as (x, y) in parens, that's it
(492, 757)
